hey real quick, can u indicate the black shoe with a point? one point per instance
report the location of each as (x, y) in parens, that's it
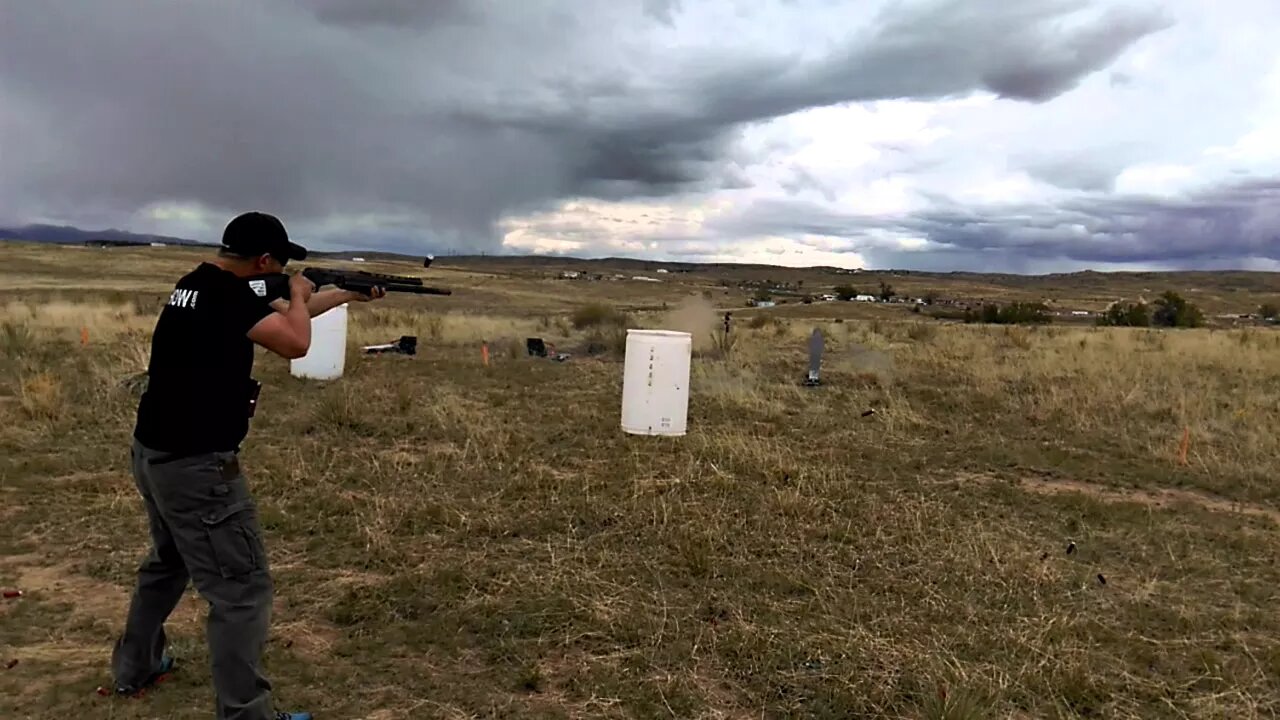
(166, 666)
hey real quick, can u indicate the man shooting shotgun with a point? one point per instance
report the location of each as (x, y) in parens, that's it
(191, 421)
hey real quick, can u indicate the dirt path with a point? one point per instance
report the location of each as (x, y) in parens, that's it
(1154, 498)
(1161, 498)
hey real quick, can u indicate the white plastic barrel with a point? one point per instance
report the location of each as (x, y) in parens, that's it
(327, 357)
(655, 382)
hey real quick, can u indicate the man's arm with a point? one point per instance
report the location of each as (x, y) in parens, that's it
(287, 332)
(324, 300)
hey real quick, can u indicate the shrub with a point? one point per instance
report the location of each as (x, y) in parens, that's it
(922, 332)
(944, 313)
(606, 341)
(1170, 310)
(1018, 313)
(558, 324)
(41, 396)
(723, 344)
(1125, 315)
(597, 315)
(16, 339)
(1174, 311)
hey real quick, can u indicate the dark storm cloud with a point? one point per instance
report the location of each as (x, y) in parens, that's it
(391, 13)
(445, 116)
(662, 10)
(1093, 174)
(1226, 224)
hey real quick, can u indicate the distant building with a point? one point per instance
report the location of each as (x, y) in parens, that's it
(865, 298)
(116, 243)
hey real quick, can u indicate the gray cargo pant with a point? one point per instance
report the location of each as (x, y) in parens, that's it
(204, 527)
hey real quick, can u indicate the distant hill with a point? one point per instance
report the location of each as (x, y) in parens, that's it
(1102, 285)
(68, 235)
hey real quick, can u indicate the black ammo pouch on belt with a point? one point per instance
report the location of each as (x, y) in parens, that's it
(255, 388)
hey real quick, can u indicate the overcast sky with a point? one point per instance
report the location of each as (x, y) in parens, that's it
(1002, 135)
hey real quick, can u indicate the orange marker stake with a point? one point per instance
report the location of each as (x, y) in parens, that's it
(1186, 445)
(484, 353)
(84, 335)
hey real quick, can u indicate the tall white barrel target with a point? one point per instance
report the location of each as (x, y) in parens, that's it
(655, 382)
(327, 357)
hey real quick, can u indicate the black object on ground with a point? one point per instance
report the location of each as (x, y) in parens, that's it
(407, 344)
(816, 345)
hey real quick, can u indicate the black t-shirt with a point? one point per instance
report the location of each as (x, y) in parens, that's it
(200, 384)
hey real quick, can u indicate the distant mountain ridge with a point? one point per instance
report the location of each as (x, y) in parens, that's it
(1235, 280)
(69, 235)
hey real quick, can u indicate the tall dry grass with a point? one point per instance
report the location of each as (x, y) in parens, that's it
(69, 362)
(1136, 389)
(65, 320)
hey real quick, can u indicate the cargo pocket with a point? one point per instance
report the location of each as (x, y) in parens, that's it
(228, 466)
(235, 549)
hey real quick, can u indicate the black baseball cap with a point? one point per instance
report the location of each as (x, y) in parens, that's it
(256, 233)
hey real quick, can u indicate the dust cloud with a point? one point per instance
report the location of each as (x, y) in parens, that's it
(696, 316)
(866, 360)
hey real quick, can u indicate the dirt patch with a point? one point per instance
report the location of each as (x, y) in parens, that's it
(308, 639)
(1161, 498)
(82, 476)
(1153, 498)
(45, 580)
(62, 582)
(64, 654)
(40, 578)
(90, 601)
(9, 507)
(38, 667)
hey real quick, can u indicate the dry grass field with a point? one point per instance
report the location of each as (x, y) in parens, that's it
(1014, 532)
